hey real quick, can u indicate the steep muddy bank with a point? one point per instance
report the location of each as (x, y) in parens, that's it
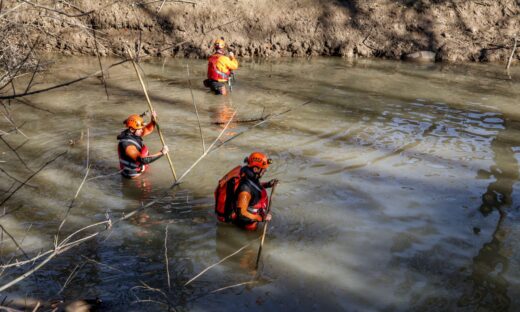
(456, 31)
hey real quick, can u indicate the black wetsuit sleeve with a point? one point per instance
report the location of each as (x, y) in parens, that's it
(149, 159)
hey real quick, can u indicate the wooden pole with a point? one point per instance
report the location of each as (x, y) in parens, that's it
(151, 110)
(265, 228)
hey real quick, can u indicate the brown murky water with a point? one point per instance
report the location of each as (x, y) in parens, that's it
(399, 188)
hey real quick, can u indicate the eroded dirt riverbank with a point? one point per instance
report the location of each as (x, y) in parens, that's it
(456, 31)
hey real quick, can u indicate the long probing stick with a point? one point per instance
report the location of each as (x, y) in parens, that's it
(265, 227)
(151, 110)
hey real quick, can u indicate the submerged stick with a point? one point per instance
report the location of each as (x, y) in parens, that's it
(151, 110)
(265, 228)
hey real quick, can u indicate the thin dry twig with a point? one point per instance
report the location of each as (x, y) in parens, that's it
(15, 179)
(58, 249)
(36, 307)
(14, 253)
(99, 59)
(511, 56)
(166, 256)
(208, 150)
(58, 11)
(16, 153)
(72, 274)
(14, 96)
(9, 118)
(222, 260)
(233, 286)
(19, 247)
(196, 110)
(28, 179)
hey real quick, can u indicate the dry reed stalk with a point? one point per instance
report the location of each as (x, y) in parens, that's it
(233, 286)
(152, 110)
(222, 260)
(196, 110)
(265, 228)
(58, 249)
(511, 56)
(166, 256)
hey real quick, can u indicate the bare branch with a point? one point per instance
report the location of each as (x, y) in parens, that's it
(58, 11)
(166, 256)
(196, 110)
(27, 180)
(61, 84)
(16, 153)
(222, 260)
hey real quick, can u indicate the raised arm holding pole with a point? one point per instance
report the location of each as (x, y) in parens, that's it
(151, 110)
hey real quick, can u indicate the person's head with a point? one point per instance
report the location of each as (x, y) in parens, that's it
(219, 44)
(135, 123)
(258, 162)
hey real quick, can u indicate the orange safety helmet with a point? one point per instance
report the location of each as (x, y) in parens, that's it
(257, 159)
(134, 122)
(219, 43)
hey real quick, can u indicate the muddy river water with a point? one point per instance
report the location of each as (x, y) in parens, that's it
(399, 188)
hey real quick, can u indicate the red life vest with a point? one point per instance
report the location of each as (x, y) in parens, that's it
(213, 72)
(261, 205)
(224, 194)
(131, 168)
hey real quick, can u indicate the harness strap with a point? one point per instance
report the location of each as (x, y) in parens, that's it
(132, 141)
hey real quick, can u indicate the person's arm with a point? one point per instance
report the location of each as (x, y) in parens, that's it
(151, 125)
(270, 183)
(230, 62)
(149, 128)
(242, 203)
(133, 153)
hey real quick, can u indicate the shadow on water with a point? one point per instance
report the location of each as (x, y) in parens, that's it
(491, 264)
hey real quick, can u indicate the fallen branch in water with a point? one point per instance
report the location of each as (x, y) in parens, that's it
(58, 249)
(244, 120)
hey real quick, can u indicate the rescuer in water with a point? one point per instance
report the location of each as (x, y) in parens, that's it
(220, 67)
(134, 157)
(240, 196)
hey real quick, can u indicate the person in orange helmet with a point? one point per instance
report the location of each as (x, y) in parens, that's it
(220, 67)
(240, 196)
(251, 195)
(133, 154)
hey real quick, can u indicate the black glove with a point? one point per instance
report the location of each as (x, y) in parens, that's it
(271, 183)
